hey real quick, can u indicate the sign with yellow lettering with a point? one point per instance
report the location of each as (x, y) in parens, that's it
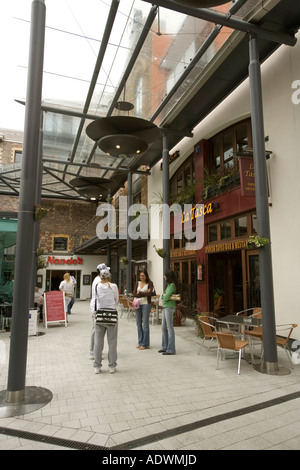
(199, 210)
(226, 246)
(246, 165)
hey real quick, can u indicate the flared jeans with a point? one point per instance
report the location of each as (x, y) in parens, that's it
(142, 315)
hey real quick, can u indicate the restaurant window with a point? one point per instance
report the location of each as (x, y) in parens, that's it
(254, 224)
(236, 227)
(212, 233)
(240, 226)
(225, 230)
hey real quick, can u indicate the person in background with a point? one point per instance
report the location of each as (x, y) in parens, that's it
(92, 306)
(39, 302)
(168, 333)
(143, 290)
(67, 287)
(107, 296)
(72, 278)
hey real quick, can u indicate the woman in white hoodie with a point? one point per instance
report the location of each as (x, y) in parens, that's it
(107, 296)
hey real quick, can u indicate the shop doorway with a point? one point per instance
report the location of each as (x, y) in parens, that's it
(54, 278)
(225, 271)
(186, 274)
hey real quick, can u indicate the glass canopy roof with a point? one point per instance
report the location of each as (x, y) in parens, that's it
(101, 52)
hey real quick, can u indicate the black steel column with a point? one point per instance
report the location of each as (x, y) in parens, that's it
(37, 223)
(166, 200)
(129, 240)
(20, 314)
(262, 209)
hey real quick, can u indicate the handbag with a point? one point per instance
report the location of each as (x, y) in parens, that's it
(136, 303)
(175, 297)
(106, 316)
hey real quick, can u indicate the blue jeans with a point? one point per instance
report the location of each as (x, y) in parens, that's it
(168, 333)
(142, 315)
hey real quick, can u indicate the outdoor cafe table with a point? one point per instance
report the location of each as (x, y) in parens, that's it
(242, 322)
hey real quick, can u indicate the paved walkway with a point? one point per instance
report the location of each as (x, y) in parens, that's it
(152, 402)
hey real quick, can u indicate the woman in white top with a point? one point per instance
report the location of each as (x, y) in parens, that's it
(92, 306)
(143, 290)
(67, 287)
(107, 296)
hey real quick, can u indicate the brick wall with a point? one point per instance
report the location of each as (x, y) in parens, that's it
(64, 219)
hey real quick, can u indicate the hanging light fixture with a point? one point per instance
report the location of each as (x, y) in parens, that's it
(120, 136)
(118, 145)
(201, 3)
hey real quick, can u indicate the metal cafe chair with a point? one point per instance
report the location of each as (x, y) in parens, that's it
(126, 306)
(283, 341)
(228, 342)
(209, 331)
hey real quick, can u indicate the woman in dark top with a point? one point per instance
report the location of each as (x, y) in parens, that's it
(143, 290)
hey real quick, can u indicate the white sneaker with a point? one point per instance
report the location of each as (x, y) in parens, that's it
(112, 370)
(97, 370)
(91, 357)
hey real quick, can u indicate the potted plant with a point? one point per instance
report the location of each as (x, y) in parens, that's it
(180, 314)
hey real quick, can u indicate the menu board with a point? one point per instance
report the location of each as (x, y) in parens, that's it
(55, 307)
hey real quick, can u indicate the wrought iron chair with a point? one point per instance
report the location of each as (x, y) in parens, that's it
(228, 342)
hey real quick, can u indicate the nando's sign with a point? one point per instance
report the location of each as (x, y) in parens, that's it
(199, 210)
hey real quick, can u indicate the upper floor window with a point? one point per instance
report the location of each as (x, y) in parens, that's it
(60, 243)
(182, 183)
(226, 146)
(17, 156)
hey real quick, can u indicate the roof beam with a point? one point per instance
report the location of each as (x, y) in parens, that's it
(96, 165)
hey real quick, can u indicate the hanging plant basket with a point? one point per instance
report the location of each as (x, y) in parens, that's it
(40, 213)
(160, 251)
(254, 241)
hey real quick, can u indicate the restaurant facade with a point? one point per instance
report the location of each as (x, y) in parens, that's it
(223, 275)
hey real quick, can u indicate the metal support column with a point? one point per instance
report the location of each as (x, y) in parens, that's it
(37, 223)
(15, 394)
(166, 200)
(270, 365)
(129, 240)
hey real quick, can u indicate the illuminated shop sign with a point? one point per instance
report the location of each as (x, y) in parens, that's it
(60, 261)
